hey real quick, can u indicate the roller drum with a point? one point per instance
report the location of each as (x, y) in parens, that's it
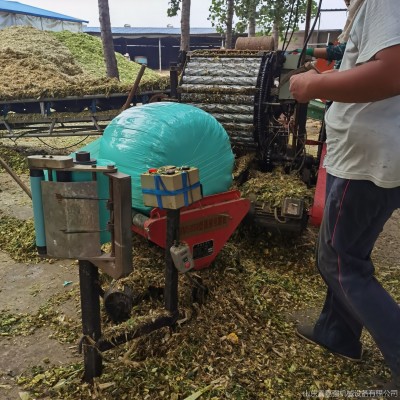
(226, 108)
(217, 89)
(222, 99)
(220, 80)
(226, 85)
(215, 70)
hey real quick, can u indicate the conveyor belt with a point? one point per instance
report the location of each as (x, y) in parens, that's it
(68, 116)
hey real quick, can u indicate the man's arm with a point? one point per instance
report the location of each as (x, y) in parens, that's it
(330, 52)
(375, 80)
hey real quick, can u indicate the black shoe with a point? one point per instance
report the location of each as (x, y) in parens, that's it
(306, 332)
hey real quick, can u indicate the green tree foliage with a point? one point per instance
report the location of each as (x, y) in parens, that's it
(173, 7)
(221, 17)
(282, 14)
(267, 14)
(218, 14)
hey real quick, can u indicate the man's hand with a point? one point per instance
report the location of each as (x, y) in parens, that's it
(300, 86)
(374, 80)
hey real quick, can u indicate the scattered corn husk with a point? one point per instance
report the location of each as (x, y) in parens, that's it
(258, 285)
(14, 159)
(273, 187)
(17, 238)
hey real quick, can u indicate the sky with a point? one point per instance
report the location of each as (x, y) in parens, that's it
(153, 13)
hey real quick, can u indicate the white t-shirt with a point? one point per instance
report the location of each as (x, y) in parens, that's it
(363, 139)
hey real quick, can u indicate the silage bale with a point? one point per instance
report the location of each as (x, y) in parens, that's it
(160, 134)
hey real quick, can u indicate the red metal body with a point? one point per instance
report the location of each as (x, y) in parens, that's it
(317, 208)
(205, 225)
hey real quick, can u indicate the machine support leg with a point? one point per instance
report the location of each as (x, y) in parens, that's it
(91, 324)
(171, 273)
(301, 123)
(173, 76)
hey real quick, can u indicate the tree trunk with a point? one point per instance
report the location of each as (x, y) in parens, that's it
(107, 40)
(252, 19)
(185, 25)
(252, 27)
(229, 23)
(275, 34)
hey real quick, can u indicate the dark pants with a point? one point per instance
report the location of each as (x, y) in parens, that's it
(355, 213)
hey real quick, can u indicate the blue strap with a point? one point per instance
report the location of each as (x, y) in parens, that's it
(159, 182)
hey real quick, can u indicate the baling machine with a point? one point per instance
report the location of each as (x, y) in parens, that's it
(241, 89)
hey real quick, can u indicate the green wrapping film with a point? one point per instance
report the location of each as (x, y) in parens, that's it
(160, 134)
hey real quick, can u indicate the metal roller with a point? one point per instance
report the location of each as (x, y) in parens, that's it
(243, 135)
(233, 117)
(226, 89)
(231, 126)
(215, 70)
(236, 64)
(233, 57)
(217, 98)
(226, 108)
(220, 80)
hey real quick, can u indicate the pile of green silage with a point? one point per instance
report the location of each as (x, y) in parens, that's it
(40, 64)
(87, 51)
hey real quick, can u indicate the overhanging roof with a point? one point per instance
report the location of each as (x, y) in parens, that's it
(153, 32)
(18, 8)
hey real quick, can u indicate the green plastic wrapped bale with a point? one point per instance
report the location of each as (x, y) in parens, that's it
(160, 134)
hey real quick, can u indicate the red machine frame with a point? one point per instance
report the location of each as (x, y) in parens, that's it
(205, 225)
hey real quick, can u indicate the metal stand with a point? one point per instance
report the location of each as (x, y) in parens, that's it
(171, 273)
(170, 292)
(60, 202)
(301, 120)
(91, 324)
(174, 78)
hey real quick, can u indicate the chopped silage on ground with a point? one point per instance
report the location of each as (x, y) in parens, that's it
(240, 344)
